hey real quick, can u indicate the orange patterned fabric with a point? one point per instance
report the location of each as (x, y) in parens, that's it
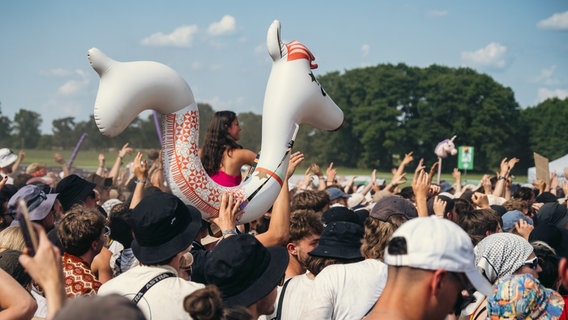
(79, 280)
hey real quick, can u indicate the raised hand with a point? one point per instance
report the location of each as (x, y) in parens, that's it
(331, 173)
(439, 206)
(407, 158)
(124, 151)
(480, 199)
(316, 170)
(140, 167)
(228, 212)
(524, 228)
(295, 159)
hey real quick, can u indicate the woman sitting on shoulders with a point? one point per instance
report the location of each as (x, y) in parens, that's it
(221, 155)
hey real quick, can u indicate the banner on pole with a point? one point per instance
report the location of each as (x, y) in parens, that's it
(465, 158)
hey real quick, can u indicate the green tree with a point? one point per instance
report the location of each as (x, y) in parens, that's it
(546, 124)
(479, 111)
(26, 127)
(5, 130)
(63, 132)
(205, 114)
(251, 125)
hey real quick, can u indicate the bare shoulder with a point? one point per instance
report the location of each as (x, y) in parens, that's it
(243, 156)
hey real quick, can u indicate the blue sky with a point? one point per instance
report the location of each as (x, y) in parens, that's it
(218, 47)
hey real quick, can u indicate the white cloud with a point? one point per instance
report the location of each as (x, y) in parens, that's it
(545, 93)
(180, 37)
(216, 67)
(261, 50)
(492, 55)
(365, 49)
(196, 65)
(546, 76)
(57, 72)
(74, 85)
(437, 13)
(558, 21)
(227, 25)
(219, 103)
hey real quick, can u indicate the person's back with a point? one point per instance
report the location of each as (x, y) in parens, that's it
(354, 288)
(164, 301)
(164, 228)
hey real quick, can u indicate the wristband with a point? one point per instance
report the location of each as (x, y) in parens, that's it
(501, 178)
(228, 232)
(142, 180)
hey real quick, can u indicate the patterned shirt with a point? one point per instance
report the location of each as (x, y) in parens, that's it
(79, 280)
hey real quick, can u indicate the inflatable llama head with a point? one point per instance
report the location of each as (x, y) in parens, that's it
(446, 148)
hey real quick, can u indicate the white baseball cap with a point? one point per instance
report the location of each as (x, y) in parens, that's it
(433, 243)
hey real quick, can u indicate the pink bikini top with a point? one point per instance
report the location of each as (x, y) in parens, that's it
(226, 180)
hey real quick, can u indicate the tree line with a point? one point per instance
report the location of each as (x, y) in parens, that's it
(389, 110)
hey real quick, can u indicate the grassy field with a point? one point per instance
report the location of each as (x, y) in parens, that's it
(88, 160)
(85, 159)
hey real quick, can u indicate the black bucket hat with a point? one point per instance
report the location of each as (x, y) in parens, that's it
(340, 213)
(244, 270)
(340, 240)
(163, 226)
(73, 189)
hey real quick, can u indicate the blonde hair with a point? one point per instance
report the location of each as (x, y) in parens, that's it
(377, 235)
(12, 238)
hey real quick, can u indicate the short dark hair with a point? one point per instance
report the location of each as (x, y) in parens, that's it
(304, 223)
(310, 199)
(78, 228)
(476, 223)
(524, 193)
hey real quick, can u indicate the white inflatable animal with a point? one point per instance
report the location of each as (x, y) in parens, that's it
(293, 96)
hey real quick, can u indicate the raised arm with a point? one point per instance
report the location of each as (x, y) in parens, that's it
(15, 301)
(125, 150)
(228, 215)
(370, 185)
(330, 174)
(157, 173)
(141, 174)
(64, 168)
(279, 227)
(421, 186)
(16, 164)
(456, 174)
(504, 171)
(101, 167)
(408, 158)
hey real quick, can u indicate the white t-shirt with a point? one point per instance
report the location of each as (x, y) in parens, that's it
(345, 291)
(295, 296)
(162, 301)
(296, 291)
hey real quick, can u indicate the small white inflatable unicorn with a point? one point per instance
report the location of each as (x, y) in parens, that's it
(443, 149)
(293, 96)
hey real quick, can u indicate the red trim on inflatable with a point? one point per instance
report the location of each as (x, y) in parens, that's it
(272, 174)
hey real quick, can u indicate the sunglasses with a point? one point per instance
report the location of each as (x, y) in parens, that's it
(532, 263)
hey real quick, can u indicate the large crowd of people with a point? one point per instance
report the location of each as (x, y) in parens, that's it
(117, 244)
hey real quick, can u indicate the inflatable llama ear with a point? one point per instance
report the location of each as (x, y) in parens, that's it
(445, 148)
